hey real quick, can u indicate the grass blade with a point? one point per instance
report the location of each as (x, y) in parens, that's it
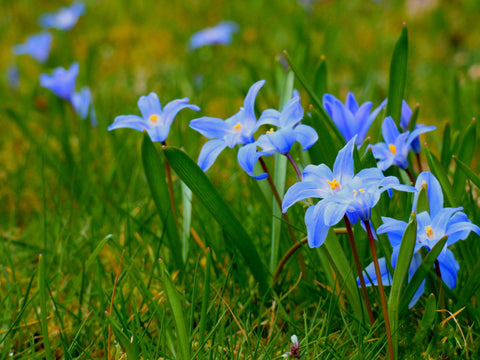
(437, 169)
(42, 289)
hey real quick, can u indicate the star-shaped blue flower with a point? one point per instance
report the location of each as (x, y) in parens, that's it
(279, 141)
(351, 119)
(394, 150)
(236, 130)
(37, 46)
(61, 82)
(155, 121)
(218, 34)
(82, 103)
(65, 18)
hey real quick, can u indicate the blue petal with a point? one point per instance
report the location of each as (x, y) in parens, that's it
(300, 191)
(382, 153)
(159, 133)
(306, 136)
(334, 212)
(129, 121)
(416, 133)
(149, 105)
(269, 116)
(210, 127)
(292, 113)
(370, 274)
(414, 264)
(351, 103)
(406, 115)
(249, 104)
(434, 192)
(173, 107)
(209, 153)
(363, 121)
(81, 102)
(460, 231)
(248, 157)
(317, 231)
(448, 268)
(280, 141)
(343, 168)
(390, 132)
(394, 229)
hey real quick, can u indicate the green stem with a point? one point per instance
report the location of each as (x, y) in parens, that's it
(168, 171)
(358, 266)
(383, 301)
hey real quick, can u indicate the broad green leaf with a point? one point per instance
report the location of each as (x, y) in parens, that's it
(154, 166)
(425, 267)
(191, 174)
(467, 171)
(368, 160)
(398, 76)
(177, 309)
(320, 83)
(187, 220)
(428, 317)
(399, 276)
(437, 169)
(465, 153)
(446, 155)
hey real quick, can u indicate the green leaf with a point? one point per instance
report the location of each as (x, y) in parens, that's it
(467, 171)
(437, 169)
(428, 317)
(398, 76)
(124, 339)
(320, 83)
(197, 181)
(414, 118)
(177, 309)
(446, 155)
(42, 290)
(425, 267)
(422, 202)
(187, 220)
(206, 295)
(154, 166)
(465, 153)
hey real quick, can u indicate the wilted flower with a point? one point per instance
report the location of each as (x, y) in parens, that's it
(65, 18)
(294, 348)
(154, 120)
(37, 46)
(62, 82)
(279, 141)
(218, 34)
(351, 119)
(236, 130)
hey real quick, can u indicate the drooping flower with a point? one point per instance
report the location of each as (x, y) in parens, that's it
(394, 150)
(218, 34)
(82, 103)
(65, 17)
(236, 130)
(37, 46)
(155, 121)
(351, 119)
(61, 82)
(342, 193)
(280, 141)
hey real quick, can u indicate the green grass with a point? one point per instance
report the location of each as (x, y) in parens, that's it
(80, 232)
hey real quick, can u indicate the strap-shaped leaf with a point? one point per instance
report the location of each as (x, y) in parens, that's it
(320, 84)
(465, 153)
(398, 76)
(197, 181)
(446, 155)
(437, 169)
(467, 171)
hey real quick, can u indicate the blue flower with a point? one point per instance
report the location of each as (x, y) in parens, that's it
(405, 121)
(218, 34)
(62, 82)
(342, 193)
(12, 77)
(279, 141)
(394, 150)
(431, 227)
(154, 120)
(65, 18)
(350, 118)
(236, 130)
(37, 46)
(82, 103)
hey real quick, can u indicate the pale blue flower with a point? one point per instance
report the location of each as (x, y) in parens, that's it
(218, 34)
(236, 130)
(37, 46)
(82, 103)
(405, 119)
(61, 82)
(155, 121)
(13, 78)
(65, 17)
(351, 119)
(280, 141)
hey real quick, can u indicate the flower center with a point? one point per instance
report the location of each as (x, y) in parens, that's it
(334, 184)
(355, 192)
(153, 118)
(270, 131)
(392, 148)
(237, 127)
(429, 232)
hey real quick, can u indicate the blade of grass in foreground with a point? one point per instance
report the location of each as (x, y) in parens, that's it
(197, 181)
(42, 289)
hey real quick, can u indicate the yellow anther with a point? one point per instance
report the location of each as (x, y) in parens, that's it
(429, 231)
(362, 190)
(237, 127)
(334, 184)
(270, 131)
(355, 192)
(153, 118)
(392, 148)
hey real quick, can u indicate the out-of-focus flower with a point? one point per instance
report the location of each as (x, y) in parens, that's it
(12, 77)
(279, 141)
(37, 46)
(405, 119)
(61, 82)
(218, 34)
(65, 17)
(294, 348)
(154, 120)
(236, 130)
(394, 150)
(351, 119)
(82, 103)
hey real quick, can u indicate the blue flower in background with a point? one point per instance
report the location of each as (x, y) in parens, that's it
(218, 34)
(61, 82)
(154, 120)
(236, 130)
(12, 77)
(37, 46)
(279, 141)
(394, 150)
(82, 103)
(65, 18)
(351, 119)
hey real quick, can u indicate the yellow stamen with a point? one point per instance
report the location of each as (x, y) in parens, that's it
(355, 192)
(362, 191)
(153, 118)
(270, 131)
(237, 127)
(429, 231)
(392, 148)
(334, 184)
